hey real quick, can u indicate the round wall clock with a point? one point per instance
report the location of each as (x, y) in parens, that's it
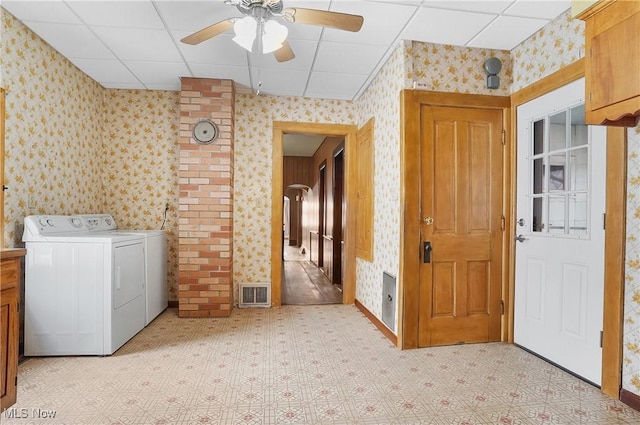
(205, 132)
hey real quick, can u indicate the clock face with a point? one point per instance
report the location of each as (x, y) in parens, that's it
(205, 132)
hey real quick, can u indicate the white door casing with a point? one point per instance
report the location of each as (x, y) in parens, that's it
(559, 280)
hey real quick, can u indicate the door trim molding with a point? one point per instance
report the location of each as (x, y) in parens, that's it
(277, 192)
(614, 235)
(408, 279)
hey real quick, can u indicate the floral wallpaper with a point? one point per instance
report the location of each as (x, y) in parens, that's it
(381, 101)
(631, 343)
(140, 164)
(52, 132)
(455, 69)
(558, 44)
(252, 173)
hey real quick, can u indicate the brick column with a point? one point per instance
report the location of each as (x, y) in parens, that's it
(206, 201)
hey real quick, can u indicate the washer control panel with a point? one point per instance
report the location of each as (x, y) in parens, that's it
(98, 222)
(37, 226)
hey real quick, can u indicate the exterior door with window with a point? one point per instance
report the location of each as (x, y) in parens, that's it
(559, 280)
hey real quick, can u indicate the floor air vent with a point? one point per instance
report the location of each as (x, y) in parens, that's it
(255, 295)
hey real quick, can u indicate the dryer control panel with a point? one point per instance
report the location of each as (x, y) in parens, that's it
(98, 222)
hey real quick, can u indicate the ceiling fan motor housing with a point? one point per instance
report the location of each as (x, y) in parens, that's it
(260, 8)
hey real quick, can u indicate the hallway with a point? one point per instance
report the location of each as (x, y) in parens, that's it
(303, 283)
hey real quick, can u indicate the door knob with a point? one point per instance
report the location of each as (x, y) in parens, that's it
(521, 238)
(521, 222)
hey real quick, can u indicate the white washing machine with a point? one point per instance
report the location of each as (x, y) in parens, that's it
(156, 293)
(84, 292)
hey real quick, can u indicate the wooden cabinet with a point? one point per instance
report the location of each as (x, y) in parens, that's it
(612, 63)
(9, 324)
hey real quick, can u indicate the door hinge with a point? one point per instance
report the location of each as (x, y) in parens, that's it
(601, 338)
(503, 221)
(16, 381)
(604, 221)
(504, 137)
(501, 307)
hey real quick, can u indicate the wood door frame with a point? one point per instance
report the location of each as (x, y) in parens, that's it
(349, 132)
(409, 273)
(615, 233)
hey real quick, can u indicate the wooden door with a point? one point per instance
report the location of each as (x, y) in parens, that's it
(461, 208)
(327, 235)
(321, 213)
(338, 214)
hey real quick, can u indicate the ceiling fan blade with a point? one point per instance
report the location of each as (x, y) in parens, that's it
(284, 53)
(208, 32)
(341, 21)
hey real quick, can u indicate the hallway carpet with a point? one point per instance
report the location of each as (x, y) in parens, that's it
(302, 365)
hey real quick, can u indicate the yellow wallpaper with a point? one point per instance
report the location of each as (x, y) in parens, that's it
(631, 343)
(558, 44)
(140, 164)
(53, 131)
(382, 101)
(455, 69)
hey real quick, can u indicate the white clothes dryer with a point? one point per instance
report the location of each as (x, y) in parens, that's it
(84, 292)
(156, 292)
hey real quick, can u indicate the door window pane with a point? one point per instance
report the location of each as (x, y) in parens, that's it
(538, 137)
(537, 220)
(558, 131)
(578, 208)
(579, 131)
(557, 168)
(538, 175)
(556, 214)
(579, 172)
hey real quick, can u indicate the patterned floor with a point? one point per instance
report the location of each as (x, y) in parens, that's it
(302, 365)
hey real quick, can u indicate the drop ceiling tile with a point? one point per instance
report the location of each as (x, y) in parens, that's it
(304, 31)
(139, 44)
(329, 83)
(126, 86)
(446, 26)
(132, 14)
(221, 50)
(507, 32)
(348, 58)
(41, 11)
(65, 39)
(276, 81)
(239, 74)
(407, 2)
(533, 9)
(304, 50)
(192, 16)
(158, 72)
(382, 22)
(165, 87)
(106, 71)
(492, 7)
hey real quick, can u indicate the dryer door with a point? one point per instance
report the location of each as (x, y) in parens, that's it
(128, 269)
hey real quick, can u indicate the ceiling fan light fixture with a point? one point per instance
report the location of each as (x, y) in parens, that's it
(245, 30)
(274, 34)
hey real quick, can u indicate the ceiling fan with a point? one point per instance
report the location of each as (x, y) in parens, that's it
(273, 35)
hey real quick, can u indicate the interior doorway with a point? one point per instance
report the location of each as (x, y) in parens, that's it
(345, 134)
